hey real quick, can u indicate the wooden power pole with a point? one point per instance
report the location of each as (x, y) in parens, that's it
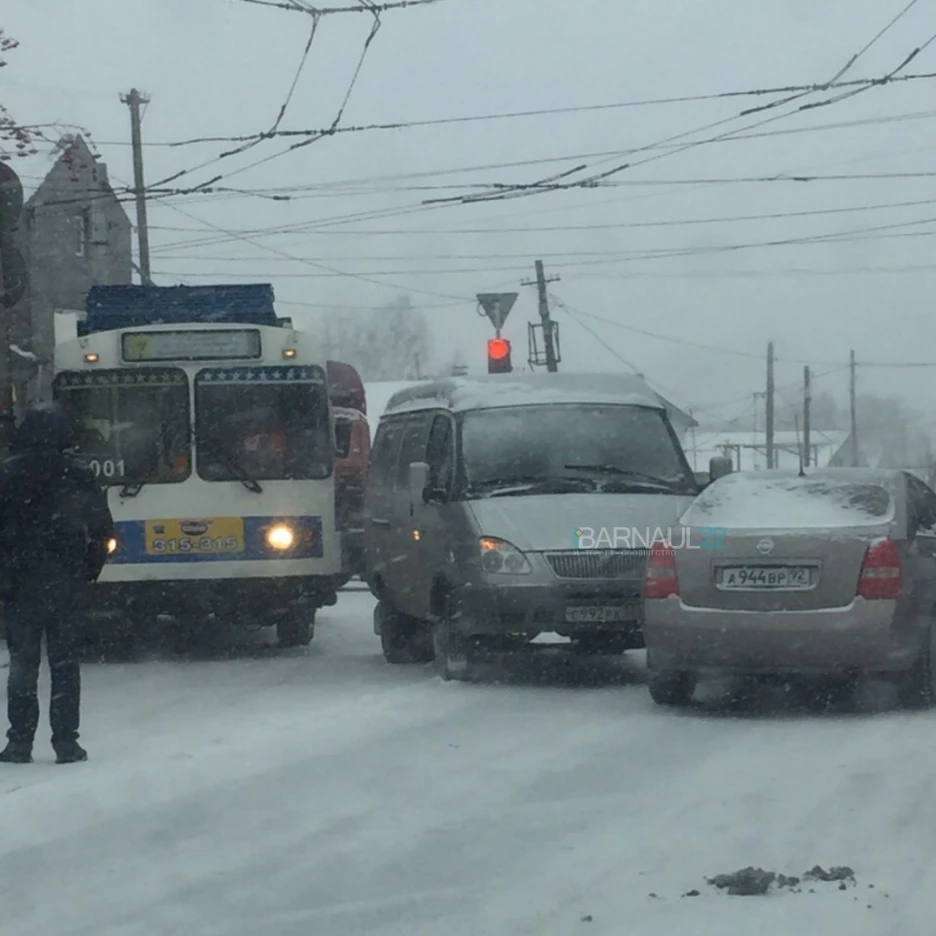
(854, 409)
(770, 406)
(134, 100)
(807, 417)
(552, 357)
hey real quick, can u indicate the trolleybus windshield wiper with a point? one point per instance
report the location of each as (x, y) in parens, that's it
(133, 488)
(230, 463)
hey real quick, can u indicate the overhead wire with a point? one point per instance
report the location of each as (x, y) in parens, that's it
(294, 6)
(533, 188)
(516, 115)
(316, 13)
(835, 237)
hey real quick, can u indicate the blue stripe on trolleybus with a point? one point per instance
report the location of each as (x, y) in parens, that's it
(131, 535)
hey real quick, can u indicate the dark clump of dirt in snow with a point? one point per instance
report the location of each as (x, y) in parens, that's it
(750, 882)
(818, 873)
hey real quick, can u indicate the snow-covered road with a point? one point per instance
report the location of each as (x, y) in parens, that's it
(324, 792)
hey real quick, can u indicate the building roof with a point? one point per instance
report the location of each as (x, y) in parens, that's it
(34, 166)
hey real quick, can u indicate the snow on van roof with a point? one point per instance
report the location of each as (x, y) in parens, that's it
(498, 390)
(379, 393)
(761, 500)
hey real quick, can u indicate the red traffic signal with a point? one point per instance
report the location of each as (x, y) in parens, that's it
(499, 356)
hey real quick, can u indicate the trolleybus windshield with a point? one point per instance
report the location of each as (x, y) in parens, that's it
(262, 423)
(130, 426)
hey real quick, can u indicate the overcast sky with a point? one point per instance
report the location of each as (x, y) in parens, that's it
(223, 68)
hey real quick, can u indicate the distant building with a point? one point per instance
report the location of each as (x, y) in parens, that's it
(74, 234)
(748, 450)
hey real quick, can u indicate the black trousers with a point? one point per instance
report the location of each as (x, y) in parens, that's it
(55, 609)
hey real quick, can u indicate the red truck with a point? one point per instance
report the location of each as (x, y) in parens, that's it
(352, 454)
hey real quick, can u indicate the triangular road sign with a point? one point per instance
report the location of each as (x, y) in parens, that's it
(497, 306)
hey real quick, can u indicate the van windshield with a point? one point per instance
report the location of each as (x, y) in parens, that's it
(608, 448)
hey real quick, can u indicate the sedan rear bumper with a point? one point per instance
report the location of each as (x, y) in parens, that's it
(860, 637)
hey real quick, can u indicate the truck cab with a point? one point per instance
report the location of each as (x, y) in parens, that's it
(352, 455)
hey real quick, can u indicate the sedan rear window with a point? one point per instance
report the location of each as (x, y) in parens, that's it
(761, 501)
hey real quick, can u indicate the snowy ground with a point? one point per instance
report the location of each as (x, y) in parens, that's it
(324, 792)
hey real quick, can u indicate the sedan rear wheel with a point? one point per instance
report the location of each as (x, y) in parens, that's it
(917, 687)
(672, 689)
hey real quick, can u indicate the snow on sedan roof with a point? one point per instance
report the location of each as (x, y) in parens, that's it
(493, 391)
(758, 500)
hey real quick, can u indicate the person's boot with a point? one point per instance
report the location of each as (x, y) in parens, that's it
(16, 752)
(69, 752)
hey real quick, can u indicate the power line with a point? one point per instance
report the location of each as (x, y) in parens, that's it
(295, 7)
(740, 399)
(316, 14)
(516, 115)
(624, 225)
(671, 394)
(835, 237)
(589, 181)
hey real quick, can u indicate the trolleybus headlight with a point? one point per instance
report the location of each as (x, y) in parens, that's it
(112, 545)
(280, 537)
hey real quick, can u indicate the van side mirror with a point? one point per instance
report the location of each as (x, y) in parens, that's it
(719, 467)
(342, 438)
(418, 482)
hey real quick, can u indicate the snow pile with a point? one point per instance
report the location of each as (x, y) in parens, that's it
(760, 500)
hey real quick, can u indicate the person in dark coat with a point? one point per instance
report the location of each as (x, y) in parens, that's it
(55, 528)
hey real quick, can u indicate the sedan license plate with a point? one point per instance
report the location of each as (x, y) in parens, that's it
(759, 578)
(600, 614)
(195, 537)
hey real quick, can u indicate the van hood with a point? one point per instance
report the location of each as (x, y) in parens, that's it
(548, 522)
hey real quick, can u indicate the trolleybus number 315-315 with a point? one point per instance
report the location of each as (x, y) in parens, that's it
(108, 468)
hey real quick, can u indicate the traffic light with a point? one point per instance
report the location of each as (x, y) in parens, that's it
(499, 356)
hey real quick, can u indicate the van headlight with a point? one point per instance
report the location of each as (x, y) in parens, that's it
(112, 546)
(280, 537)
(502, 558)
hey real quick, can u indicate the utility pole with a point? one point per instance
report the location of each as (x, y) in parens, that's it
(552, 358)
(134, 100)
(807, 423)
(854, 410)
(770, 405)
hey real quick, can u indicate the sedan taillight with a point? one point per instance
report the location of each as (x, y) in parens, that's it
(882, 571)
(661, 580)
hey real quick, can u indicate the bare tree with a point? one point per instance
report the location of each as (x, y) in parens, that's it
(13, 136)
(390, 343)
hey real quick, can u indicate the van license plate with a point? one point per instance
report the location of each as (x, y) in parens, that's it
(592, 614)
(758, 578)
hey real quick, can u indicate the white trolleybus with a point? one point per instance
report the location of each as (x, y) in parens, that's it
(208, 420)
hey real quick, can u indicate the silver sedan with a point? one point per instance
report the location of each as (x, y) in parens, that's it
(829, 573)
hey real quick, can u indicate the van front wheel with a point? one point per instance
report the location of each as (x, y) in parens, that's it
(451, 651)
(403, 639)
